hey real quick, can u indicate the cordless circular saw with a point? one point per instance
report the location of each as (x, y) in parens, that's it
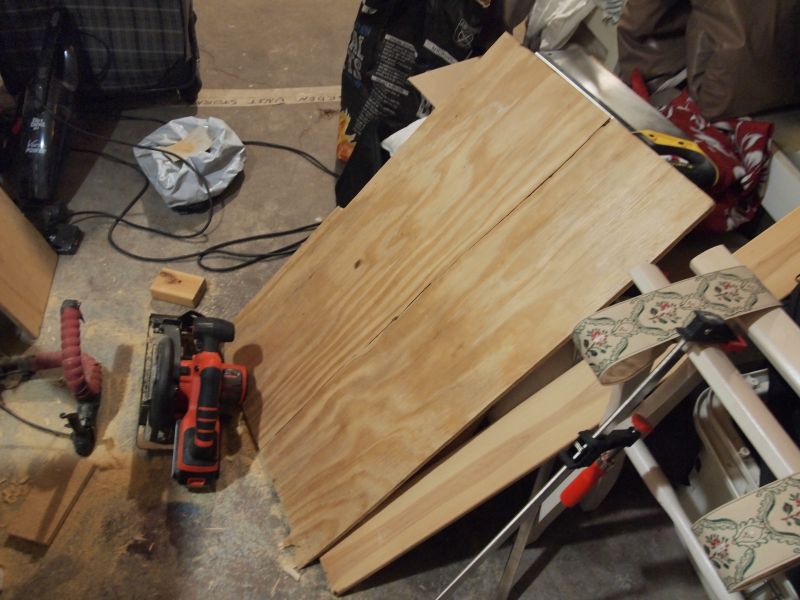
(186, 389)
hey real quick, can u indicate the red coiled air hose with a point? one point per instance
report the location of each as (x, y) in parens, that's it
(82, 373)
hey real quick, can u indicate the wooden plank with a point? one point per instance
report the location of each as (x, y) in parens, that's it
(27, 265)
(178, 287)
(503, 307)
(520, 441)
(460, 174)
(506, 451)
(54, 493)
(776, 258)
(440, 85)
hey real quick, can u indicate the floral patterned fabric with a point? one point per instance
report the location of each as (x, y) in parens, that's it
(619, 341)
(755, 536)
(740, 149)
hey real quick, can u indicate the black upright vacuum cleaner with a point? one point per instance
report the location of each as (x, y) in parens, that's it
(47, 108)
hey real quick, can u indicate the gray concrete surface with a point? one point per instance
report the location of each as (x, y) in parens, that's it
(133, 533)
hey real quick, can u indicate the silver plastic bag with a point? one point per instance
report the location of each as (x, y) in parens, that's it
(210, 145)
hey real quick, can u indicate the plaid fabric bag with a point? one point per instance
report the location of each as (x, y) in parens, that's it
(126, 46)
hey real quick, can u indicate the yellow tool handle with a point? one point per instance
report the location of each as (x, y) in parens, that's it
(700, 169)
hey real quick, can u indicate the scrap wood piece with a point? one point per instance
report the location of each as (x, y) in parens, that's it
(27, 265)
(503, 307)
(439, 85)
(485, 466)
(54, 492)
(178, 287)
(460, 174)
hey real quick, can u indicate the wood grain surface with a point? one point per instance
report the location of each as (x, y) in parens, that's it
(459, 175)
(442, 84)
(54, 493)
(248, 349)
(523, 439)
(776, 258)
(27, 265)
(495, 458)
(499, 310)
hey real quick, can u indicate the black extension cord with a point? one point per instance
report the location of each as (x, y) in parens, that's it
(215, 251)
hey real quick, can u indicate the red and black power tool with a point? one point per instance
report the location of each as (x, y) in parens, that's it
(187, 390)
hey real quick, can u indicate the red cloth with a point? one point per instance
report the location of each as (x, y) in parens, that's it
(739, 148)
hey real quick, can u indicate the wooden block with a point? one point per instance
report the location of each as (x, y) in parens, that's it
(524, 438)
(178, 287)
(54, 493)
(27, 265)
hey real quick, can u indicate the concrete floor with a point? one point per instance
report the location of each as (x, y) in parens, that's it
(133, 533)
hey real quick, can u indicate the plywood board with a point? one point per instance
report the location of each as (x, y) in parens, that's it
(441, 84)
(775, 258)
(506, 451)
(54, 493)
(459, 175)
(502, 308)
(27, 265)
(520, 441)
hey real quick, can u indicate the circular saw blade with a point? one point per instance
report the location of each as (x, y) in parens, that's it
(162, 395)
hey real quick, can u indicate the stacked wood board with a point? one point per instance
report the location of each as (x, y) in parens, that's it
(523, 439)
(513, 212)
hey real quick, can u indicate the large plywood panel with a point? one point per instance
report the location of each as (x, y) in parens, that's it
(460, 174)
(498, 311)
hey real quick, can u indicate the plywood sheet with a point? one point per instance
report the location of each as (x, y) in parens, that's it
(27, 265)
(441, 84)
(54, 493)
(459, 175)
(502, 307)
(519, 442)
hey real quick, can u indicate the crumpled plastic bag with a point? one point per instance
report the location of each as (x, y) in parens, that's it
(552, 22)
(210, 145)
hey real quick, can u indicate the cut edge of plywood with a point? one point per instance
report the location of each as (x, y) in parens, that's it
(253, 404)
